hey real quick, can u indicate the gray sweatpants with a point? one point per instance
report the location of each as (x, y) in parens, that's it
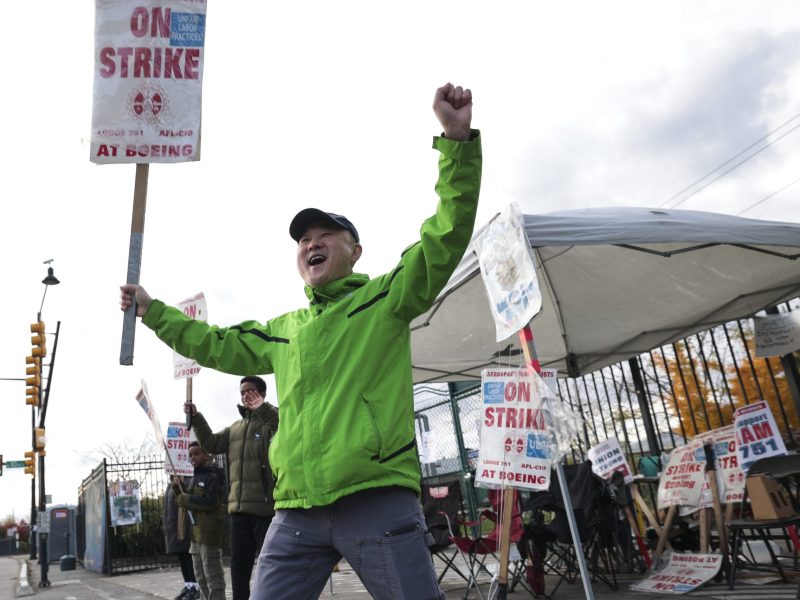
(380, 532)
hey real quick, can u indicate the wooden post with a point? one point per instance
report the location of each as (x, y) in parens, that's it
(704, 531)
(505, 536)
(722, 522)
(663, 538)
(189, 400)
(134, 260)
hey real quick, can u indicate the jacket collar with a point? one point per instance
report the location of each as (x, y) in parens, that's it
(330, 292)
(262, 412)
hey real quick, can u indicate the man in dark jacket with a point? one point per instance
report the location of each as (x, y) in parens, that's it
(177, 538)
(250, 504)
(203, 497)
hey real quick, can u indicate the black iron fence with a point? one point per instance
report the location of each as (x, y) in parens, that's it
(120, 532)
(651, 403)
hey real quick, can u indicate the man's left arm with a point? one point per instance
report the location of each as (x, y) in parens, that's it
(427, 265)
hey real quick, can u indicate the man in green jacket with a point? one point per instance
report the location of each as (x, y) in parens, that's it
(250, 501)
(344, 460)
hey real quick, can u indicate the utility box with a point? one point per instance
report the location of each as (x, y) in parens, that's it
(62, 529)
(768, 498)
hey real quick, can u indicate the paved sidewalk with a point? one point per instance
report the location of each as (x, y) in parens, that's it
(164, 584)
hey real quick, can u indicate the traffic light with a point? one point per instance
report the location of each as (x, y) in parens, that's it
(37, 340)
(34, 369)
(30, 463)
(39, 439)
(33, 379)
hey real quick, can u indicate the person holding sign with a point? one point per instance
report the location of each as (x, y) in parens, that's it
(250, 502)
(204, 497)
(177, 539)
(347, 477)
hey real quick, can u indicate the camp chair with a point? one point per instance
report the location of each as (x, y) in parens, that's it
(442, 504)
(785, 471)
(485, 543)
(596, 517)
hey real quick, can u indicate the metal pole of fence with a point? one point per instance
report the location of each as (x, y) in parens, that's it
(462, 453)
(641, 395)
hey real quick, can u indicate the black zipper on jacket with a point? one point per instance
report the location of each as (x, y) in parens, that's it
(377, 296)
(241, 458)
(257, 333)
(396, 453)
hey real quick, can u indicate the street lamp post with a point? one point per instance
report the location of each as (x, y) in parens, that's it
(38, 444)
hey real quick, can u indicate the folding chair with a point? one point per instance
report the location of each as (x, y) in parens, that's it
(442, 505)
(475, 550)
(595, 516)
(516, 565)
(785, 470)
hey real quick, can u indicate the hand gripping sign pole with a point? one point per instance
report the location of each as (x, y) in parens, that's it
(149, 113)
(509, 276)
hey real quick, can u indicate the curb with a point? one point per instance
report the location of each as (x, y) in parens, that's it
(23, 587)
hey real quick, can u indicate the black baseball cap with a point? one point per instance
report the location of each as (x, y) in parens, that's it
(307, 216)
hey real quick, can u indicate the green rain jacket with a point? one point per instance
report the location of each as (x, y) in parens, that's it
(343, 365)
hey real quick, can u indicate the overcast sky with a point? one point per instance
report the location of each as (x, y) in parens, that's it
(329, 105)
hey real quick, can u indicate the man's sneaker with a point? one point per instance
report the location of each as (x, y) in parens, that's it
(188, 593)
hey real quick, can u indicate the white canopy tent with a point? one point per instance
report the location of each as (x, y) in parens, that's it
(615, 282)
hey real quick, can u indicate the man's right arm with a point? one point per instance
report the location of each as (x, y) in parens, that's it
(213, 443)
(243, 349)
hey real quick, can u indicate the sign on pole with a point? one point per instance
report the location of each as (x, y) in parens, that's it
(515, 443)
(508, 272)
(148, 75)
(143, 399)
(607, 458)
(777, 335)
(730, 478)
(683, 477)
(194, 308)
(178, 439)
(757, 434)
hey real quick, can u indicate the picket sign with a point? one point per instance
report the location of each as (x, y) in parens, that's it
(532, 362)
(509, 276)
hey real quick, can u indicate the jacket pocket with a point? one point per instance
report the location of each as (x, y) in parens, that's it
(376, 430)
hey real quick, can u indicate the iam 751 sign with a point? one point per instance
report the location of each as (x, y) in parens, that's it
(757, 435)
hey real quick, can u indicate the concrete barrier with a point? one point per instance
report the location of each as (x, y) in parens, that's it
(23, 586)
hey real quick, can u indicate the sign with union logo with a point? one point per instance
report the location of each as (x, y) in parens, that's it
(194, 308)
(515, 442)
(148, 74)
